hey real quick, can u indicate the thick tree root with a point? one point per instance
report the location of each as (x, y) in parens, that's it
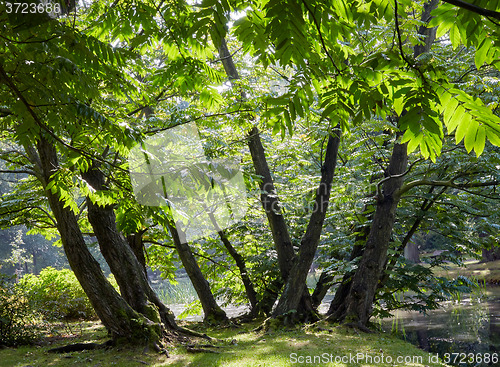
(358, 326)
(79, 347)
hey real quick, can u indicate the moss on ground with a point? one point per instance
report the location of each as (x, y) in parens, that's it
(236, 346)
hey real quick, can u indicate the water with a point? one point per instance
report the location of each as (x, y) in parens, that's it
(469, 328)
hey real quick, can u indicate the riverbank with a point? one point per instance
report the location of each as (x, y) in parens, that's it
(235, 346)
(488, 273)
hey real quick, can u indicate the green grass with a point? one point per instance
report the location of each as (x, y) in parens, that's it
(236, 347)
(485, 272)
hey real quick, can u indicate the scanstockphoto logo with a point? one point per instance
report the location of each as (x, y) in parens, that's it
(170, 169)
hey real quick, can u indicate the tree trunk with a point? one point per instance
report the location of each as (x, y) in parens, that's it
(271, 205)
(356, 308)
(115, 313)
(492, 254)
(135, 242)
(269, 200)
(357, 305)
(240, 263)
(295, 286)
(412, 253)
(128, 271)
(279, 229)
(213, 313)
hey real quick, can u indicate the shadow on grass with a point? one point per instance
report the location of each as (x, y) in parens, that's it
(238, 347)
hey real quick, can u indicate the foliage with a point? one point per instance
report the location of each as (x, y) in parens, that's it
(56, 294)
(306, 66)
(18, 318)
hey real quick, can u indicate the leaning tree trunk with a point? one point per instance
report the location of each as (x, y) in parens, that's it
(240, 263)
(128, 271)
(137, 245)
(213, 312)
(271, 205)
(118, 317)
(295, 287)
(356, 308)
(279, 228)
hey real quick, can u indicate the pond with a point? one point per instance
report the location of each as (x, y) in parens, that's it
(469, 326)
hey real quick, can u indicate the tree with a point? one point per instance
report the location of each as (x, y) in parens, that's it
(80, 92)
(47, 147)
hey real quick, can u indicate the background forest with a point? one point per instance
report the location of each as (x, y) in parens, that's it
(367, 133)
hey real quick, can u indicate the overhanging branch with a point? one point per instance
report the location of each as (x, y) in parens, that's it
(474, 8)
(448, 183)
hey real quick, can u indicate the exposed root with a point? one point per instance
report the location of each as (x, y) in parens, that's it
(79, 347)
(358, 326)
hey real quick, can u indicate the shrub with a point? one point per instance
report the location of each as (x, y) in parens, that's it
(18, 321)
(57, 294)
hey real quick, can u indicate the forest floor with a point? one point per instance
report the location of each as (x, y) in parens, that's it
(235, 346)
(488, 272)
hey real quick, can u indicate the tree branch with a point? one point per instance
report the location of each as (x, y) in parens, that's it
(474, 8)
(379, 184)
(154, 131)
(448, 183)
(194, 253)
(318, 28)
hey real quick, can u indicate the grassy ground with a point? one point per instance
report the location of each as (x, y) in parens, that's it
(236, 347)
(485, 272)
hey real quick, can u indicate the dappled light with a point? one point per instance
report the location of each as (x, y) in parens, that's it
(234, 183)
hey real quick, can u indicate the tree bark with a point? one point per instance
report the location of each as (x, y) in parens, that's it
(240, 263)
(356, 308)
(492, 254)
(213, 313)
(295, 286)
(271, 205)
(115, 313)
(128, 271)
(135, 242)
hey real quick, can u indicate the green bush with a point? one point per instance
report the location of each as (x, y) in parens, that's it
(57, 294)
(18, 320)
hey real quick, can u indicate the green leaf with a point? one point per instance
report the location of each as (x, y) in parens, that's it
(450, 110)
(462, 127)
(431, 125)
(328, 110)
(480, 140)
(482, 53)
(455, 36)
(493, 137)
(413, 140)
(288, 122)
(470, 135)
